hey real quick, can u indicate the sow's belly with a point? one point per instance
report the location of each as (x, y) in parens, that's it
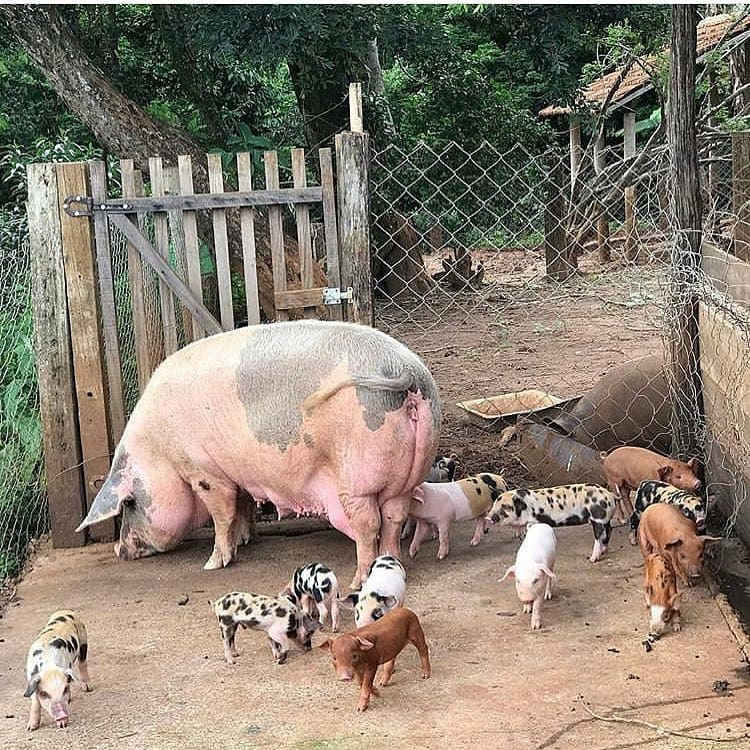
(319, 498)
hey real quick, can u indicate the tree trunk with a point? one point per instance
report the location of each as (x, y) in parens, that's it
(123, 128)
(683, 354)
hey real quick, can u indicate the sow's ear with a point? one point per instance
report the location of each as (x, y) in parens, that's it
(32, 686)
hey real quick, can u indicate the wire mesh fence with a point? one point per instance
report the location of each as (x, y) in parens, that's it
(24, 515)
(533, 287)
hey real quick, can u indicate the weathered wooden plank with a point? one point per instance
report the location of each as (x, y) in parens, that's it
(178, 250)
(54, 365)
(247, 232)
(304, 235)
(278, 257)
(728, 274)
(333, 272)
(132, 185)
(356, 123)
(256, 198)
(83, 312)
(296, 298)
(221, 245)
(741, 194)
(352, 170)
(166, 274)
(161, 242)
(192, 246)
(98, 175)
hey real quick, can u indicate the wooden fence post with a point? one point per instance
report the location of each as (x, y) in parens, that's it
(602, 222)
(556, 251)
(576, 153)
(83, 313)
(353, 183)
(631, 237)
(683, 354)
(62, 452)
(741, 194)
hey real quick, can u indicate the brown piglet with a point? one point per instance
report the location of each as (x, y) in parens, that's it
(661, 595)
(626, 467)
(361, 651)
(665, 530)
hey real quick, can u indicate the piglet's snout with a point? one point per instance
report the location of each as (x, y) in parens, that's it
(345, 675)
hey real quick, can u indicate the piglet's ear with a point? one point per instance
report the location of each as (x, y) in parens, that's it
(71, 675)
(546, 570)
(349, 601)
(673, 543)
(32, 686)
(674, 600)
(510, 572)
(664, 473)
(326, 645)
(364, 644)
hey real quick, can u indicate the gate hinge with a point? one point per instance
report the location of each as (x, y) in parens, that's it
(332, 295)
(83, 205)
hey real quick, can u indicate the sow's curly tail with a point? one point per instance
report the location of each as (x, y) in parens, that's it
(404, 382)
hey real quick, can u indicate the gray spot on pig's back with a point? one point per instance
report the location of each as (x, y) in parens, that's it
(284, 363)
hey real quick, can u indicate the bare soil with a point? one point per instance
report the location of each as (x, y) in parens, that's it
(156, 665)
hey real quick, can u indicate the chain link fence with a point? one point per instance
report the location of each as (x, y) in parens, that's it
(24, 515)
(545, 306)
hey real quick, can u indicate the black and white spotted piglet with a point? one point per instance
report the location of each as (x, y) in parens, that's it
(315, 587)
(56, 658)
(285, 624)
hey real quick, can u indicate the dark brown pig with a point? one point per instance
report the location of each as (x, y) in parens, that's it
(665, 530)
(320, 418)
(360, 652)
(626, 467)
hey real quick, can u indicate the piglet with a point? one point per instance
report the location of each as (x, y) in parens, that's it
(384, 589)
(661, 595)
(284, 623)
(440, 504)
(315, 587)
(664, 529)
(626, 467)
(360, 652)
(56, 658)
(533, 569)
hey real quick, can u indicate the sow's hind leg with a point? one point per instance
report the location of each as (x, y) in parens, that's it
(220, 499)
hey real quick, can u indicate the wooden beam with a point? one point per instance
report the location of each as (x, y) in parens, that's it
(54, 362)
(221, 245)
(83, 312)
(271, 197)
(556, 253)
(602, 222)
(304, 235)
(163, 270)
(333, 272)
(297, 298)
(575, 153)
(276, 230)
(356, 123)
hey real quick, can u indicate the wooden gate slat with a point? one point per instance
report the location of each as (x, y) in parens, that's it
(276, 230)
(87, 355)
(161, 237)
(98, 176)
(247, 228)
(166, 274)
(192, 247)
(333, 271)
(304, 235)
(221, 245)
(132, 185)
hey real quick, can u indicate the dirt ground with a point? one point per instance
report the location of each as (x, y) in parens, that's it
(160, 681)
(156, 665)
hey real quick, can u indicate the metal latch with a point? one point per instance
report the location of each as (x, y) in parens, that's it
(332, 295)
(83, 205)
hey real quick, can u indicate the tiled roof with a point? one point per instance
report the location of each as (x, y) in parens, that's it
(710, 32)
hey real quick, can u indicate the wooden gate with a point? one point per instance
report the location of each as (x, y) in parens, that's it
(74, 227)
